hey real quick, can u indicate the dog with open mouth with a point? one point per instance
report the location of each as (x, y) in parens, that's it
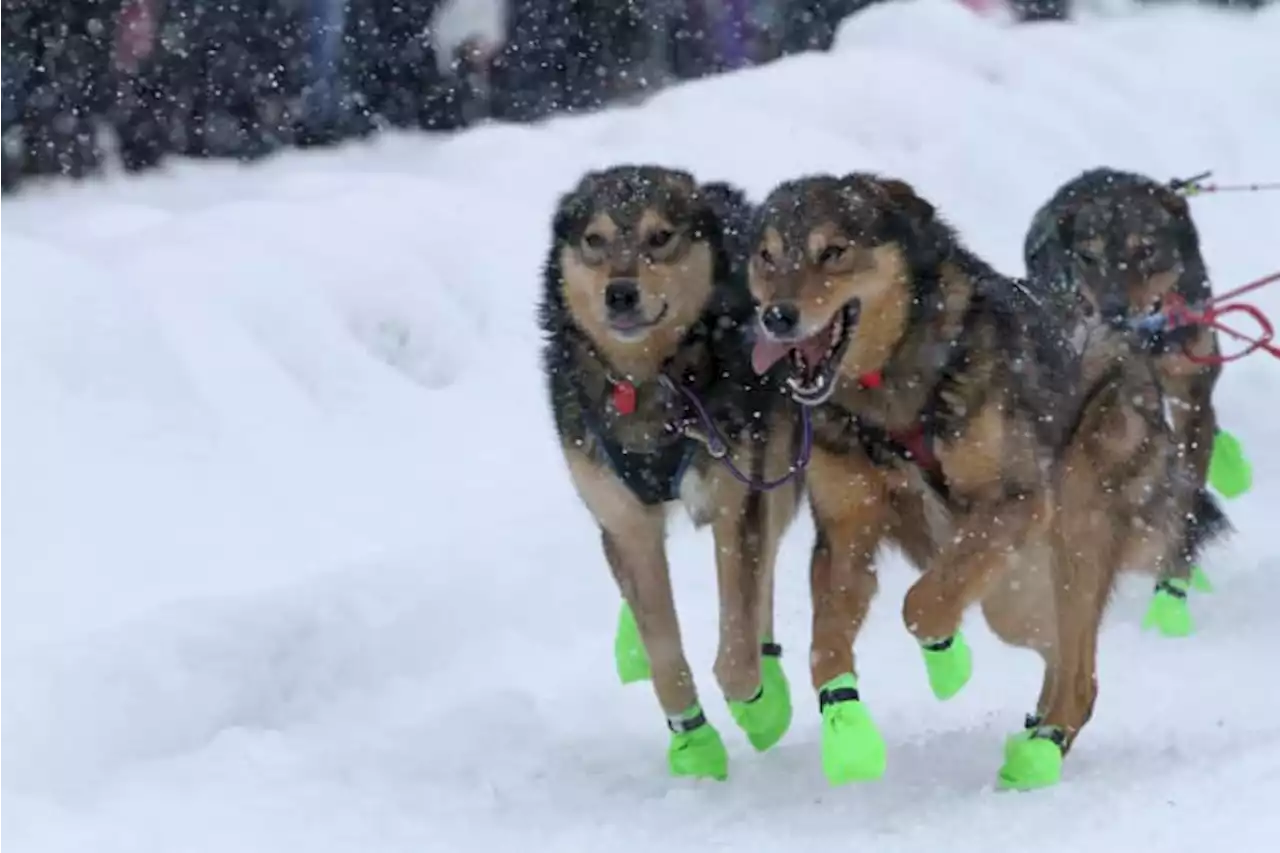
(1118, 245)
(957, 419)
(646, 314)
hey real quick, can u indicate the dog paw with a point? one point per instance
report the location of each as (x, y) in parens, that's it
(949, 665)
(629, 655)
(853, 749)
(1031, 761)
(766, 718)
(1230, 473)
(698, 754)
(1169, 612)
(1200, 581)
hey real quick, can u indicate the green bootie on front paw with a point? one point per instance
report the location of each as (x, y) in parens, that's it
(949, 664)
(1230, 473)
(629, 656)
(1032, 760)
(766, 718)
(696, 749)
(1168, 612)
(853, 749)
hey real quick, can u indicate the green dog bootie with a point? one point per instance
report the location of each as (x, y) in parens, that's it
(629, 655)
(1200, 581)
(853, 749)
(949, 664)
(766, 718)
(1168, 612)
(1230, 473)
(1028, 730)
(696, 749)
(1032, 759)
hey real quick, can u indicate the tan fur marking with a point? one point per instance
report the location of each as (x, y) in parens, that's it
(974, 464)
(1154, 288)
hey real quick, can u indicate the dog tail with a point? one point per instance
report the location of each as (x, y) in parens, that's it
(1205, 523)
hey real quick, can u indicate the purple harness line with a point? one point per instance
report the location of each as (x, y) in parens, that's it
(719, 448)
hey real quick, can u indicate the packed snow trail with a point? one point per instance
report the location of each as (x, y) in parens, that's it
(293, 562)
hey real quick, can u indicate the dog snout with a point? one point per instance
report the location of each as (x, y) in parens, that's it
(622, 296)
(781, 319)
(1114, 306)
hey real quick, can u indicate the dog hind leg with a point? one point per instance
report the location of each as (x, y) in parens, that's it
(747, 533)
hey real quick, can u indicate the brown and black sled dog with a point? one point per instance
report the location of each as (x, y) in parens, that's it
(957, 419)
(646, 314)
(1118, 245)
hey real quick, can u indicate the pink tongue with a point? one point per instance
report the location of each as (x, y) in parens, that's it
(767, 353)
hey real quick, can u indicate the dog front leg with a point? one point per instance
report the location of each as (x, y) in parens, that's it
(984, 538)
(633, 536)
(851, 515)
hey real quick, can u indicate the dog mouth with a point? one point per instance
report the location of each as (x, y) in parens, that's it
(815, 360)
(633, 325)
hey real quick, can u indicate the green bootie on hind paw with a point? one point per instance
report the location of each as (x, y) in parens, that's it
(1230, 473)
(1200, 581)
(949, 664)
(1168, 612)
(629, 656)
(696, 749)
(1032, 759)
(766, 718)
(853, 749)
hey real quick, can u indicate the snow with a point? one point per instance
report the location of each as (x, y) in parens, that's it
(293, 562)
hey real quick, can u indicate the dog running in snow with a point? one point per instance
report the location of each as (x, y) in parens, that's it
(1116, 245)
(957, 419)
(645, 309)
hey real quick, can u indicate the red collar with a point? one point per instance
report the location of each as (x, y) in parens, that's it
(624, 397)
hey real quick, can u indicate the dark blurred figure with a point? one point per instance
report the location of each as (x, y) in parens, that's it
(55, 60)
(16, 65)
(393, 66)
(231, 68)
(141, 112)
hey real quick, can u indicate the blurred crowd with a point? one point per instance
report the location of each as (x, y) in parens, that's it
(139, 80)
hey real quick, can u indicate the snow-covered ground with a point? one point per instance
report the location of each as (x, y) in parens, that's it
(293, 564)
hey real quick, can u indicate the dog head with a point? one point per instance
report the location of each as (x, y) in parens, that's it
(831, 272)
(1127, 247)
(637, 249)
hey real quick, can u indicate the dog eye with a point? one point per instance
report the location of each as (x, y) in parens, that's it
(766, 257)
(594, 241)
(831, 254)
(660, 239)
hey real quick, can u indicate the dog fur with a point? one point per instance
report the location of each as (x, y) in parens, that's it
(1115, 244)
(959, 421)
(680, 243)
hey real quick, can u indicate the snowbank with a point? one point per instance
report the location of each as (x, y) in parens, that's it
(292, 563)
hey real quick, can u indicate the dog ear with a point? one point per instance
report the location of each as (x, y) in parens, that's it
(1174, 202)
(680, 181)
(904, 197)
(572, 209)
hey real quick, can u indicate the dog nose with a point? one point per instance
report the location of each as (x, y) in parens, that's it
(781, 319)
(621, 296)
